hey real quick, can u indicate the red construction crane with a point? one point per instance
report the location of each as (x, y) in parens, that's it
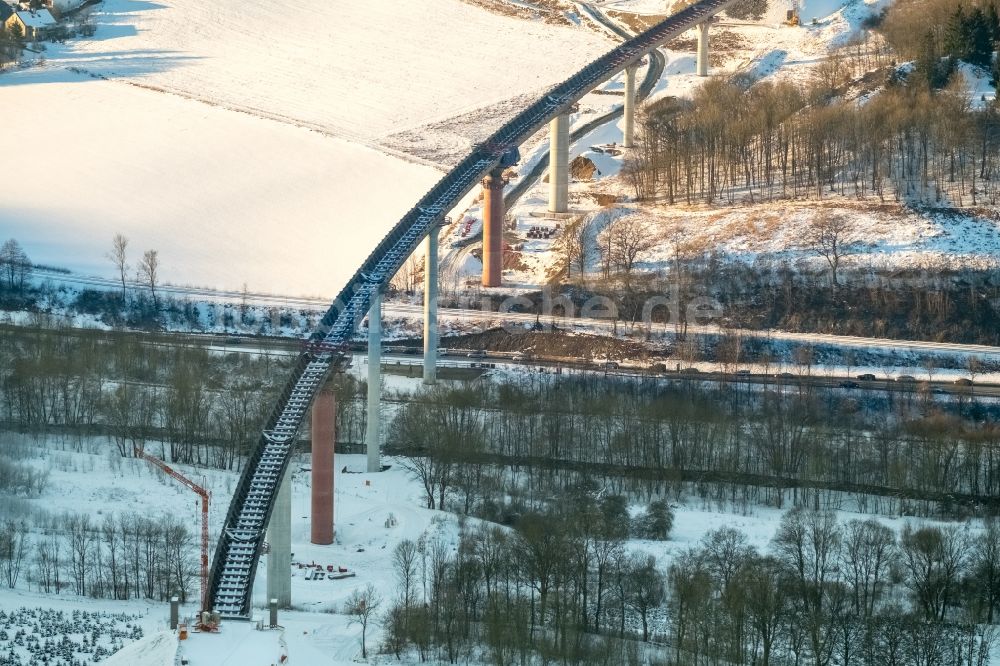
(205, 496)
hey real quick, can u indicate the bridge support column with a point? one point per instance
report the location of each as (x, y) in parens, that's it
(493, 213)
(629, 120)
(559, 164)
(431, 306)
(279, 539)
(324, 423)
(703, 49)
(373, 434)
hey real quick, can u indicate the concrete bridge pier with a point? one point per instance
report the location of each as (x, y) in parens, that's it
(629, 128)
(279, 539)
(431, 306)
(493, 214)
(559, 164)
(323, 436)
(703, 48)
(373, 430)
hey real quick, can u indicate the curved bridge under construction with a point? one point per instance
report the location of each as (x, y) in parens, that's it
(239, 547)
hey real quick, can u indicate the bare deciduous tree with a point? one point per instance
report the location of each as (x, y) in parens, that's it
(13, 549)
(406, 277)
(404, 561)
(362, 606)
(15, 267)
(149, 272)
(119, 257)
(869, 553)
(625, 240)
(827, 236)
(577, 242)
(934, 559)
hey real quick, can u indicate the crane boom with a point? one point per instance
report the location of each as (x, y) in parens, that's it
(205, 496)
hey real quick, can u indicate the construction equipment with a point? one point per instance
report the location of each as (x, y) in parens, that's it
(203, 624)
(792, 17)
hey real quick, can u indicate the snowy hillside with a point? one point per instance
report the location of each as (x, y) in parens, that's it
(359, 70)
(881, 236)
(225, 197)
(876, 238)
(254, 197)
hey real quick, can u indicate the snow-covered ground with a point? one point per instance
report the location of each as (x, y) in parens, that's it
(89, 477)
(875, 237)
(186, 126)
(225, 197)
(360, 70)
(65, 632)
(160, 649)
(231, 198)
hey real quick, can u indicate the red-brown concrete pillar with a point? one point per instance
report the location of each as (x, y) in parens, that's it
(493, 213)
(324, 421)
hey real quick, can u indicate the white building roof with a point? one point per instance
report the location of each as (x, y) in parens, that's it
(41, 18)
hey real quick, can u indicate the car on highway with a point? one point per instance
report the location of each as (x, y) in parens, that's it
(785, 375)
(443, 351)
(963, 381)
(937, 390)
(479, 353)
(521, 357)
(658, 367)
(610, 365)
(849, 384)
(867, 377)
(743, 373)
(906, 379)
(690, 371)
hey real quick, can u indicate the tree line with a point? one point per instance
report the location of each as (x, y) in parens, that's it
(935, 34)
(189, 404)
(770, 141)
(197, 406)
(917, 140)
(826, 592)
(562, 586)
(494, 449)
(128, 556)
(140, 302)
(955, 305)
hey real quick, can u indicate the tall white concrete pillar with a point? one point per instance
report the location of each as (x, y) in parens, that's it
(279, 538)
(431, 307)
(703, 49)
(559, 164)
(373, 426)
(629, 124)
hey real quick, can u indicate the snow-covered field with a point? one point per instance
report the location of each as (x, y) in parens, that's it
(91, 478)
(876, 238)
(186, 126)
(361, 70)
(225, 197)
